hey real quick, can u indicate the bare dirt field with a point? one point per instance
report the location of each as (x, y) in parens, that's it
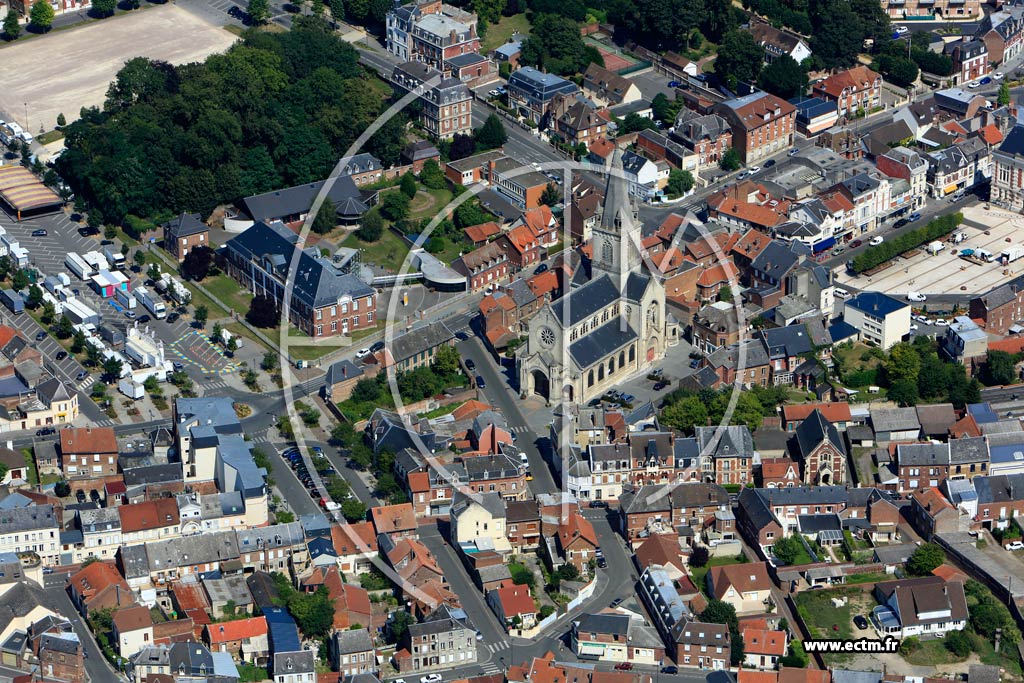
(71, 69)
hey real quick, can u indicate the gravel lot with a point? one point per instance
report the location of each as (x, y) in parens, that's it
(68, 70)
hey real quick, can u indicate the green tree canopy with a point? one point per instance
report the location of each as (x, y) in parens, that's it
(407, 185)
(999, 368)
(740, 58)
(925, 558)
(12, 29)
(41, 15)
(788, 549)
(258, 11)
(679, 183)
(784, 78)
(555, 43)
(491, 134)
(326, 218)
(371, 228)
(432, 176)
(104, 8)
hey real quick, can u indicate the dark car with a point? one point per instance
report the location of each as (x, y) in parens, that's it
(61, 355)
(144, 319)
(470, 365)
(670, 669)
(540, 269)
(80, 495)
(769, 163)
(88, 231)
(695, 363)
(860, 622)
(80, 376)
(616, 602)
(376, 346)
(41, 335)
(45, 431)
(106, 243)
(986, 80)
(900, 223)
(173, 318)
(461, 336)
(624, 666)
(856, 243)
(660, 385)
(673, 84)
(480, 383)
(913, 217)
(602, 563)
(39, 233)
(598, 504)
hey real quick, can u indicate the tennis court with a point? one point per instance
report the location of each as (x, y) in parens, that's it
(614, 58)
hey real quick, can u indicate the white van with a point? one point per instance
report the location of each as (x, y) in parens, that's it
(841, 293)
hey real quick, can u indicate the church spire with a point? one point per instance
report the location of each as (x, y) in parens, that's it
(616, 241)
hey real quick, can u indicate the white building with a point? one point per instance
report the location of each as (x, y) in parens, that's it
(881, 320)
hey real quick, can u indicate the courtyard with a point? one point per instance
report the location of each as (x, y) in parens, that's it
(66, 71)
(946, 272)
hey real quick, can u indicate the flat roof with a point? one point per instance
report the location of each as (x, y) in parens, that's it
(22, 191)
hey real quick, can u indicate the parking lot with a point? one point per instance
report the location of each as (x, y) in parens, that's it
(946, 272)
(72, 69)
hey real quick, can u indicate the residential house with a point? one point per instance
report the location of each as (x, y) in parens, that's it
(709, 136)
(932, 514)
(340, 380)
(747, 587)
(820, 451)
(353, 652)
(855, 90)
(926, 607)
(999, 309)
(958, 167)
(132, 629)
(698, 645)
(98, 586)
(478, 522)
(324, 301)
(397, 521)
(608, 89)
(898, 10)
(530, 91)
(246, 639)
(513, 605)
(483, 266)
(1003, 35)
(520, 247)
(777, 42)
(895, 424)
(575, 120)
(615, 638)
(31, 529)
(418, 347)
(498, 472)
(964, 341)
(149, 520)
(970, 60)
(880, 319)
(649, 510)
(815, 115)
(88, 453)
(421, 645)
(294, 667)
(184, 233)
(762, 125)
(905, 164)
(446, 107)
(762, 649)
(576, 543)
(473, 169)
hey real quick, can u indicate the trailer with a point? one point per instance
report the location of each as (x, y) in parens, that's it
(151, 302)
(95, 259)
(130, 388)
(114, 258)
(111, 335)
(78, 312)
(77, 265)
(126, 299)
(13, 301)
(177, 291)
(1012, 253)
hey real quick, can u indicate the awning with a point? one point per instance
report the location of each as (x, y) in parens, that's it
(824, 244)
(591, 649)
(950, 189)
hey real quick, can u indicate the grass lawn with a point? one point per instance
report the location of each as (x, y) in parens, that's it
(427, 203)
(698, 573)
(499, 34)
(243, 331)
(388, 252)
(874, 577)
(49, 136)
(452, 250)
(301, 346)
(229, 291)
(930, 653)
(30, 461)
(438, 412)
(822, 618)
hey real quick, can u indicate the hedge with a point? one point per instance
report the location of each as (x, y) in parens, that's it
(936, 228)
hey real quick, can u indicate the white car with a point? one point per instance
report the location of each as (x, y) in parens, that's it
(755, 169)
(1015, 545)
(842, 293)
(875, 241)
(942, 322)
(973, 84)
(914, 328)
(431, 678)
(916, 296)
(902, 30)
(362, 353)
(494, 93)
(998, 76)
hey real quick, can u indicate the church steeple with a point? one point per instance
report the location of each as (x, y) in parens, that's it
(616, 241)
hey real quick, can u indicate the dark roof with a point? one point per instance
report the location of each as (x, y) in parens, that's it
(606, 339)
(812, 524)
(776, 260)
(813, 431)
(792, 340)
(875, 303)
(420, 339)
(1013, 144)
(297, 200)
(341, 371)
(184, 225)
(615, 624)
(587, 300)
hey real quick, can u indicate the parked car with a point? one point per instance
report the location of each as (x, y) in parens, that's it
(876, 240)
(856, 243)
(595, 504)
(46, 431)
(860, 622)
(942, 322)
(769, 163)
(1015, 545)
(985, 81)
(916, 296)
(61, 355)
(914, 327)
(80, 376)
(431, 678)
(841, 293)
(41, 335)
(670, 669)
(362, 353)
(129, 314)
(39, 233)
(695, 363)
(999, 75)
(900, 223)
(144, 319)
(172, 318)
(755, 169)
(673, 84)
(973, 84)
(624, 666)
(178, 366)
(88, 231)
(540, 269)
(376, 346)
(902, 30)
(470, 365)
(616, 602)
(602, 563)
(660, 385)
(793, 152)
(913, 217)
(480, 383)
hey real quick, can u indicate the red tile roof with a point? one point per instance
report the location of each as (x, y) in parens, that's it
(752, 576)
(837, 411)
(720, 274)
(482, 232)
(542, 284)
(132, 618)
(856, 78)
(748, 676)
(660, 549)
(538, 220)
(756, 641)
(389, 519)
(351, 539)
(776, 468)
(470, 409)
(576, 526)
(239, 629)
(88, 440)
(790, 675)
(151, 514)
(751, 244)
(515, 600)
(990, 134)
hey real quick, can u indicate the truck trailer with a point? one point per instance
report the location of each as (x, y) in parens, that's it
(114, 258)
(77, 265)
(151, 303)
(1012, 253)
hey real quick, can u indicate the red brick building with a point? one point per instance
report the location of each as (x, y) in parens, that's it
(851, 90)
(1000, 309)
(762, 125)
(520, 246)
(184, 233)
(485, 266)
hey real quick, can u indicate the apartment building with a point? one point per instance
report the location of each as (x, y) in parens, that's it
(446, 108)
(762, 125)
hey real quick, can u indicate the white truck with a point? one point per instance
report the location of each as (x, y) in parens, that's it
(114, 258)
(1012, 253)
(126, 299)
(77, 265)
(177, 291)
(935, 247)
(150, 301)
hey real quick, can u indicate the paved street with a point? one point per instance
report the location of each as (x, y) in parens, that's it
(95, 664)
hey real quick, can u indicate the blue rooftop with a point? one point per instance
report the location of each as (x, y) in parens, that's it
(284, 634)
(808, 108)
(982, 413)
(876, 303)
(1012, 452)
(841, 330)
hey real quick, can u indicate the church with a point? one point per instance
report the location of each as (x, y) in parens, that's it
(608, 329)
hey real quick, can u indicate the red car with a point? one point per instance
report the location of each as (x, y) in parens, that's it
(855, 244)
(624, 666)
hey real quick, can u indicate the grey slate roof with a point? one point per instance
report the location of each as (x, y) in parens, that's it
(596, 345)
(586, 301)
(420, 339)
(605, 624)
(814, 430)
(297, 200)
(184, 225)
(347, 642)
(894, 419)
(731, 441)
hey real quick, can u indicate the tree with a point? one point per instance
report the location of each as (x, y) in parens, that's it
(408, 185)
(64, 329)
(788, 549)
(400, 622)
(258, 11)
(201, 314)
(111, 369)
(1003, 98)
(77, 340)
(326, 217)
(903, 363)
(725, 293)
(634, 123)
(153, 272)
(685, 414)
(730, 160)
(61, 121)
(739, 58)
(898, 69)
(197, 264)
(20, 279)
(371, 227)
(263, 312)
(904, 392)
(232, 346)
(104, 8)
(679, 183)
(337, 9)
(62, 489)
(462, 146)
(555, 43)
(999, 368)
(139, 258)
(217, 334)
(12, 29)
(700, 556)
(784, 78)
(925, 558)
(395, 206)
(959, 643)
(35, 297)
(491, 134)
(432, 176)
(354, 510)
(551, 196)
(661, 109)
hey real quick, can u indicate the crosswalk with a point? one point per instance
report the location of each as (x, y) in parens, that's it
(214, 385)
(495, 648)
(519, 429)
(86, 383)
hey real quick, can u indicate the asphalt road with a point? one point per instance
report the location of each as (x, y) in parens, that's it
(96, 666)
